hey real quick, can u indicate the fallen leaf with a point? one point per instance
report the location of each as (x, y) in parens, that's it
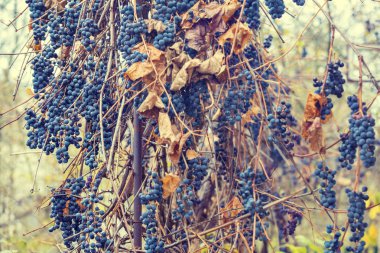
(184, 74)
(170, 183)
(191, 154)
(212, 65)
(242, 38)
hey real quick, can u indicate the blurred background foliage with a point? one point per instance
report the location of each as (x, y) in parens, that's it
(23, 210)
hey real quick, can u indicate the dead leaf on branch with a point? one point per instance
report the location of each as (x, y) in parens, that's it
(165, 127)
(170, 183)
(184, 74)
(58, 4)
(232, 209)
(175, 148)
(151, 105)
(155, 25)
(243, 37)
(313, 133)
(212, 65)
(197, 36)
(138, 70)
(191, 154)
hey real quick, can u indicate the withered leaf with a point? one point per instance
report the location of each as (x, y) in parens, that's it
(170, 183)
(243, 36)
(232, 209)
(229, 8)
(184, 74)
(191, 154)
(155, 25)
(151, 105)
(213, 64)
(138, 70)
(313, 133)
(197, 36)
(175, 148)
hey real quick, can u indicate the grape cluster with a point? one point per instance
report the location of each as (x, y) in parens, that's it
(276, 8)
(88, 29)
(361, 135)
(299, 2)
(39, 27)
(196, 94)
(355, 216)
(165, 9)
(148, 218)
(185, 201)
(287, 220)
(130, 35)
(333, 86)
(334, 81)
(268, 41)
(252, 13)
(177, 101)
(70, 22)
(77, 217)
(327, 193)
(280, 124)
(334, 244)
(253, 204)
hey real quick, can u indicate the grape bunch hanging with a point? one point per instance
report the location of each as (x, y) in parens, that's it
(195, 79)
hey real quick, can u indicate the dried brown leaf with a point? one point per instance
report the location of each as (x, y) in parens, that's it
(165, 127)
(184, 74)
(197, 36)
(243, 36)
(155, 25)
(151, 105)
(138, 70)
(175, 148)
(191, 154)
(170, 183)
(212, 65)
(232, 209)
(313, 133)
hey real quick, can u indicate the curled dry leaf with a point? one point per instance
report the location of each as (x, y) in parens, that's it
(155, 25)
(165, 127)
(212, 65)
(184, 74)
(197, 36)
(170, 183)
(191, 154)
(151, 105)
(313, 133)
(175, 148)
(243, 36)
